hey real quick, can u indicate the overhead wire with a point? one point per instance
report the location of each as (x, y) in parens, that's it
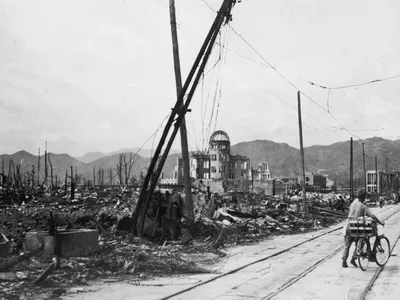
(327, 110)
(223, 65)
(353, 85)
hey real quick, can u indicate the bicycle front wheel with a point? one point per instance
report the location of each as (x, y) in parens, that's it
(382, 251)
(363, 253)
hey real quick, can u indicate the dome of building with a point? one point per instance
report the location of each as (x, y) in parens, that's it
(219, 136)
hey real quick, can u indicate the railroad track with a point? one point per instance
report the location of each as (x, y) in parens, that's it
(291, 281)
(376, 274)
(321, 261)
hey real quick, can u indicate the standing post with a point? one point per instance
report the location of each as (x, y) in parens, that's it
(351, 169)
(376, 177)
(45, 163)
(365, 173)
(184, 142)
(38, 175)
(386, 178)
(302, 153)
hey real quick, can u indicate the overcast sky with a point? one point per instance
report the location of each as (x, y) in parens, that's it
(98, 75)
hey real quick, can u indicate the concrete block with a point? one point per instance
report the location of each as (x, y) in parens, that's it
(78, 242)
(34, 239)
(90, 201)
(48, 245)
(4, 245)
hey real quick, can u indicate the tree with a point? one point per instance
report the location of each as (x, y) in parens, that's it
(2, 166)
(94, 175)
(111, 177)
(141, 178)
(51, 170)
(119, 169)
(128, 164)
(32, 174)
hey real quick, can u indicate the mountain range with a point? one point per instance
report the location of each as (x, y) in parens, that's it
(284, 160)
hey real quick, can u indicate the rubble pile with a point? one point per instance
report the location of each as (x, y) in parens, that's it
(224, 221)
(245, 217)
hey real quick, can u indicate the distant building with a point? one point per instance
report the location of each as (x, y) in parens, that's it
(263, 173)
(217, 162)
(177, 175)
(372, 181)
(314, 180)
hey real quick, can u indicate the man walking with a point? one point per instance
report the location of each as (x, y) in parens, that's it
(357, 209)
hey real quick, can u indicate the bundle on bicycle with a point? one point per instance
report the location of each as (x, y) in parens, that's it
(359, 229)
(363, 229)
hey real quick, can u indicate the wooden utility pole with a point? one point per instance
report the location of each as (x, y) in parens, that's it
(66, 183)
(351, 169)
(185, 96)
(376, 177)
(38, 168)
(45, 163)
(302, 153)
(72, 184)
(365, 172)
(184, 143)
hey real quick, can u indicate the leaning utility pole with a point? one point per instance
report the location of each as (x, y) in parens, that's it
(176, 116)
(302, 153)
(365, 173)
(351, 169)
(184, 143)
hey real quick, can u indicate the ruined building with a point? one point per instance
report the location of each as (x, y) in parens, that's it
(217, 162)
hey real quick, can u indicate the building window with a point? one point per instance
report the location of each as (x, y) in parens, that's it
(245, 165)
(222, 157)
(205, 164)
(213, 157)
(223, 146)
(205, 176)
(307, 179)
(213, 170)
(369, 189)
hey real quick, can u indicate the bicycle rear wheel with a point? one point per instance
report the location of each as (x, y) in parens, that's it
(382, 251)
(363, 253)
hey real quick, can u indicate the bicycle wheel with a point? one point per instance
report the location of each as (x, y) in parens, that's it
(363, 253)
(382, 251)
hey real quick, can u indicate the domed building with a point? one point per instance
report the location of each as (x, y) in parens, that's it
(217, 162)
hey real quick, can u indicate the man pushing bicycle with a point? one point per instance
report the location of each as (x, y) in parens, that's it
(357, 209)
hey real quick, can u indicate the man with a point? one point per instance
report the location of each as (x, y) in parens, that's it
(357, 209)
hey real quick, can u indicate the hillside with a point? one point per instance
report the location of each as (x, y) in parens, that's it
(334, 159)
(92, 156)
(283, 159)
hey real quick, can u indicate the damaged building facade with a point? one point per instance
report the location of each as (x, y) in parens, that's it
(218, 163)
(215, 164)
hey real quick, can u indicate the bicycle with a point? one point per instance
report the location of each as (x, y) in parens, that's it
(380, 251)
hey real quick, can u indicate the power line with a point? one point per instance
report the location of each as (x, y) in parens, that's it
(352, 85)
(304, 94)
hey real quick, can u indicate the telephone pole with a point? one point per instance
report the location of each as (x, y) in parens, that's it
(45, 163)
(351, 169)
(184, 143)
(302, 152)
(376, 177)
(365, 173)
